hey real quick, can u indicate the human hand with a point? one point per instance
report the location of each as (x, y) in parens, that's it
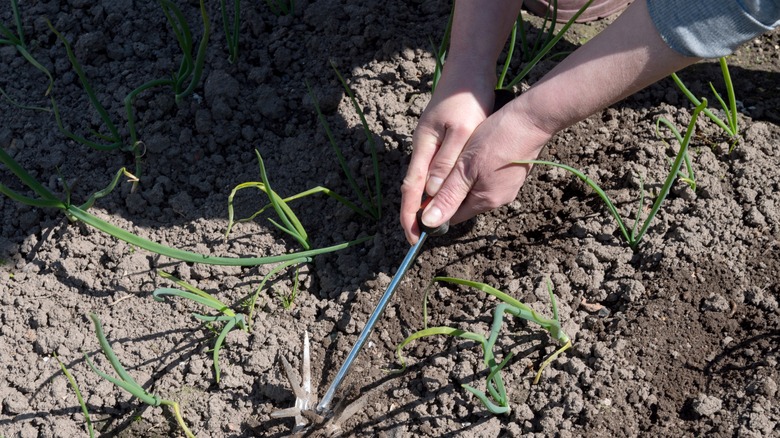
(481, 177)
(459, 105)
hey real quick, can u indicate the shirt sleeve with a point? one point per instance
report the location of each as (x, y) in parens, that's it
(712, 28)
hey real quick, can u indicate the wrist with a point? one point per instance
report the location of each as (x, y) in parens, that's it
(466, 73)
(536, 116)
(527, 135)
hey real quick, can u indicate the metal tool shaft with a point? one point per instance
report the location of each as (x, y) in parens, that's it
(380, 307)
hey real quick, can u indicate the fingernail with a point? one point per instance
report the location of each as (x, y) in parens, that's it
(431, 216)
(433, 185)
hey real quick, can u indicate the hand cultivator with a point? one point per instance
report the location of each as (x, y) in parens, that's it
(325, 418)
(308, 421)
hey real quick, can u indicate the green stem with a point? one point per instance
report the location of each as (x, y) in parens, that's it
(441, 52)
(18, 20)
(74, 212)
(274, 271)
(79, 397)
(690, 178)
(218, 344)
(510, 52)
(181, 31)
(129, 104)
(192, 257)
(125, 381)
(312, 191)
(548, 46)
(115, 137)
(292, 225)
(730, 93)
(77, 138)
(375, 207)
(231, 36)
(673, 173)
(23, 51)
(599, 191)
(207, 300)
(179, 418)
(29, 181)
(697, 102)
(200, 58)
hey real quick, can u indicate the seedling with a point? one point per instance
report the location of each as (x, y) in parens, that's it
(126, 382)
(281, 7)
(688, 178)
(289, 221)
(102, 142)
(7, 37)
(46, 199)
(495, 400)
(232, 221)
(231, 32)
(535, 52)
(110, 141)
(288, 298)
(21, 105)
(531, 54)
(189, 69)
(730, 125)
(183, 83)
(634, 236)
(227, 315)
(440, 52)
(370, 199)
(76, 390)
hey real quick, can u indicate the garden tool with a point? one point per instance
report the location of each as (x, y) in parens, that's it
(502, 97)
(307, 421)
(380, 307)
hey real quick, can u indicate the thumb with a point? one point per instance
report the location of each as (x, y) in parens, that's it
(449, 198)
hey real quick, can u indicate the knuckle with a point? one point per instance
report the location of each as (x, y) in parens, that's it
(461, 130)
(408, 185)
(464, 170)
(493, 200)
(441, 167)
(446, 200)
(452, 194)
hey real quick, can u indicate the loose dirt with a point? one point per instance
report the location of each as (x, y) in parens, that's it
(678, 338)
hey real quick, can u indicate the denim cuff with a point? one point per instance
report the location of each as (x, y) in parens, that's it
(712, 28)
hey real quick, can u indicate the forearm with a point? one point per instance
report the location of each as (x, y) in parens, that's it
(479, 33)
(626, 57)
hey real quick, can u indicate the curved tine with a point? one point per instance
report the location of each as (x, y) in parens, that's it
(285, 413)
(306, 373)
(295, 383)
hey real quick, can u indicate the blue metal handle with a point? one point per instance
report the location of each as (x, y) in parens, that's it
(380, 307)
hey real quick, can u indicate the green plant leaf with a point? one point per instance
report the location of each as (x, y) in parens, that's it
(209, 301)
(79, 398)
(449, 331)
(125, 381)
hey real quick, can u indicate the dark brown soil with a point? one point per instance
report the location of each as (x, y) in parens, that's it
(685, 343)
